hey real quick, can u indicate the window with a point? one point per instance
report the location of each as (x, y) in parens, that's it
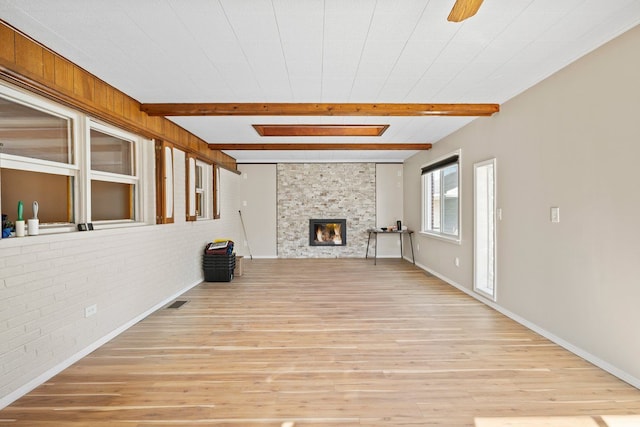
(75, 175)
(440, 193)
(114, 180)
(53, 192)
(38, 159)
(204, 182)
(36, 132)
(199, 194)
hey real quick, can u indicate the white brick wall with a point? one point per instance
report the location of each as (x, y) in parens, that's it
(47, 281)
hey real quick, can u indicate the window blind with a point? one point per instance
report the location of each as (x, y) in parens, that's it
(440, 164)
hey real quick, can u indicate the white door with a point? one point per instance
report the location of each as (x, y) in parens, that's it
(484, 266)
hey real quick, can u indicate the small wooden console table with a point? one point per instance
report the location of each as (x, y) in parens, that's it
(376, 231)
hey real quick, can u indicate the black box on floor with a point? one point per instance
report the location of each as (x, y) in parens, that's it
(218, 268)
(218, 275)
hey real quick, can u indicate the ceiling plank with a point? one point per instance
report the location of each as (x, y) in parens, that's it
(320, 130)
(305, 146)
(316, 109)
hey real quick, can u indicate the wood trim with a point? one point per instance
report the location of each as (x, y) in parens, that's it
(304, 146)
(320, 130)
(189, 185)
(161, 192)
(315, 109)
(31, 66)
(216, 191)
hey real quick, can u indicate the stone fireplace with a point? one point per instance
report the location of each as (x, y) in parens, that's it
(327, 232)
(324, 190)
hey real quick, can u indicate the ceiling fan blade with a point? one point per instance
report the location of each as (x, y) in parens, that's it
(464, 9)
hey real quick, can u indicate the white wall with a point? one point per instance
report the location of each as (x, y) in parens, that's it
(258, 188)
(257, 191)
(47, 281)
(572, 141)
(388, 206)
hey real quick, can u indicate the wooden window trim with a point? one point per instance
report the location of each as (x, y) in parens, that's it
(190, 190)
(162, 196)
(215, 190)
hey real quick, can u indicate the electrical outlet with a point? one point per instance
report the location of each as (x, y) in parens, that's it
(457, 262)
(418, 247)
(555, 214)
(90, 310)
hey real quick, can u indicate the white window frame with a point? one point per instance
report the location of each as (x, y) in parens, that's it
(426, 200)
(80, 168)
(205, 189)
(197, 167)
(29, 164)
(95, 175)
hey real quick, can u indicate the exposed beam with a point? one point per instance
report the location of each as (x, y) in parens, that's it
(320, 130)
(314, 109)
(305, 146)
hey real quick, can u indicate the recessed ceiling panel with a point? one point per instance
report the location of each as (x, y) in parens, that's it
(320, 130)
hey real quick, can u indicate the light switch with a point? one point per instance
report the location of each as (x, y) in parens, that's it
(499, 211)
(555, 214)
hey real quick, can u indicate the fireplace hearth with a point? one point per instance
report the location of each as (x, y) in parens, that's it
(327, 232)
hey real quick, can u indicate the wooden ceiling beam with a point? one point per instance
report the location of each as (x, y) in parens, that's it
(315, 109)
(318, 146)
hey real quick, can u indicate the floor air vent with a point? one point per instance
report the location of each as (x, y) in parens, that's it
(177, 304)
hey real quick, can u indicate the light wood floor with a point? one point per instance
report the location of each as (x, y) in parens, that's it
(323, 343)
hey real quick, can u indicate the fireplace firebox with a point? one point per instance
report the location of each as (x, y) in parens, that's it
(327, 232)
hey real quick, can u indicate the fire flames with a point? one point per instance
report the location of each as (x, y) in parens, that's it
(329, 234)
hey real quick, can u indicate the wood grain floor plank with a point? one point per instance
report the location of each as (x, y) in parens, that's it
(323, 342)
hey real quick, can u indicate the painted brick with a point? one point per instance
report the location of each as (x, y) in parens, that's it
(14, 270)
(34, 249)
(38, 345)
(22, 318)
(13, 260)
(124, 271)
(22, 279)
(9, 251)
(17, 335)
(13, 359)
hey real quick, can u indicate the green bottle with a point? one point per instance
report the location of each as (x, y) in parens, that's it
(20, 210)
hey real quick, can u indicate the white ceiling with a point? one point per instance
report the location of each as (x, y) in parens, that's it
(329, 51)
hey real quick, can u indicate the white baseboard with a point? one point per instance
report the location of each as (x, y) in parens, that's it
(50, 373)
(606, 366)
